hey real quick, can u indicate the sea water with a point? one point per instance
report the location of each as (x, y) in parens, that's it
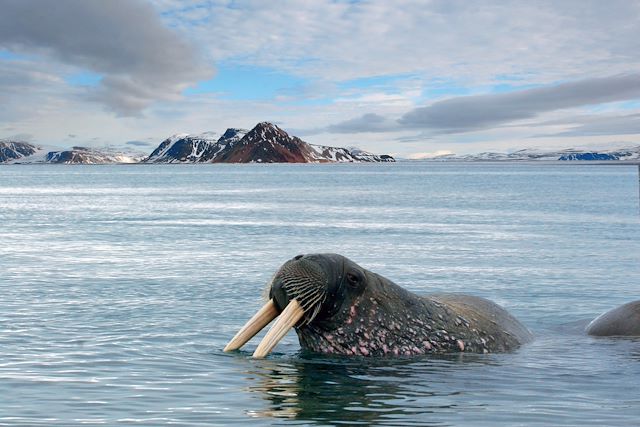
(120, 285)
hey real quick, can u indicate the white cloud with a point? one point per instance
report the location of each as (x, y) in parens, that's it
(149, 54)
(142, 61)
(475, 42)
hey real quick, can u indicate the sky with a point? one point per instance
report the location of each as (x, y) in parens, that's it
(407, 78)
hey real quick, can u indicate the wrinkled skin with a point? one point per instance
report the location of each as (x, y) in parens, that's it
(357, 312)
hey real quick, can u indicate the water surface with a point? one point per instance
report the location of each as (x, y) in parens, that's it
(120, 285)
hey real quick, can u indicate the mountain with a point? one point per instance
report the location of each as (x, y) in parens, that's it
(590, 156)
(15, 150)
(76, 155)
(185, 148)
(351, 155)
(265, 143)
(569, 154)
(90, 156)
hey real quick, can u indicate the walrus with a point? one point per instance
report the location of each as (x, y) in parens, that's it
(340, 308)
(620, 321)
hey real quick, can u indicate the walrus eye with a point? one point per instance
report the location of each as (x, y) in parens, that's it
(353, 279)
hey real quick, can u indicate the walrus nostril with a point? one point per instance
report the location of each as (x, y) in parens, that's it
(279, 295)
(297, 257)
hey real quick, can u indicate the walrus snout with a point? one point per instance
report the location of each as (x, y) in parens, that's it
(278, 294)
(302, 278)
(296, 294)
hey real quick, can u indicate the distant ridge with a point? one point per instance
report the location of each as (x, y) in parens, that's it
(14, 150)
(569, 154)
(88, 156)
(25, 153)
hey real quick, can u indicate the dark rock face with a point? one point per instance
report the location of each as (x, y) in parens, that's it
(589, 156)
(193, 148)
(12, 150)
(232, 134)
(265, 143)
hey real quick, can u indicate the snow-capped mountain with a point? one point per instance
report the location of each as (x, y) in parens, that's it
(569, 154)
(632, 153)
(90, 156)
(15, 150)
(202, 148)
(75, 155)
(265, 143)
(350, 154)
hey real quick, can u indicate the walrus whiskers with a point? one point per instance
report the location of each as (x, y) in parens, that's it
(310, 300)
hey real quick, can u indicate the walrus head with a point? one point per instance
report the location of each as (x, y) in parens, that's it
(309, 292)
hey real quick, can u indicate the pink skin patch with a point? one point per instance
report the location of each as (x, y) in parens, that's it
(460, 345)
(352, 315)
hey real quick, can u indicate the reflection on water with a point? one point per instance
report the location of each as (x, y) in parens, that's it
(360, 391)
(563, 373)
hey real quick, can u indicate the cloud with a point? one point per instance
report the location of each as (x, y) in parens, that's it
(470, 113)
(480, 112)
(366, 123)
(139, 143)
(627, 124)
(27, 90)
(350, 57)
(24, 137)
(475, 41)
(140, 59)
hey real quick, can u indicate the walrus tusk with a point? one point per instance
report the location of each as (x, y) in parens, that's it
(287, 320)
(259, 320)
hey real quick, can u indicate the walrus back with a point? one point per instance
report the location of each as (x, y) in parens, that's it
(488, 315)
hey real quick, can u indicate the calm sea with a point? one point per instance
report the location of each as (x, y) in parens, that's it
(120, 285)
